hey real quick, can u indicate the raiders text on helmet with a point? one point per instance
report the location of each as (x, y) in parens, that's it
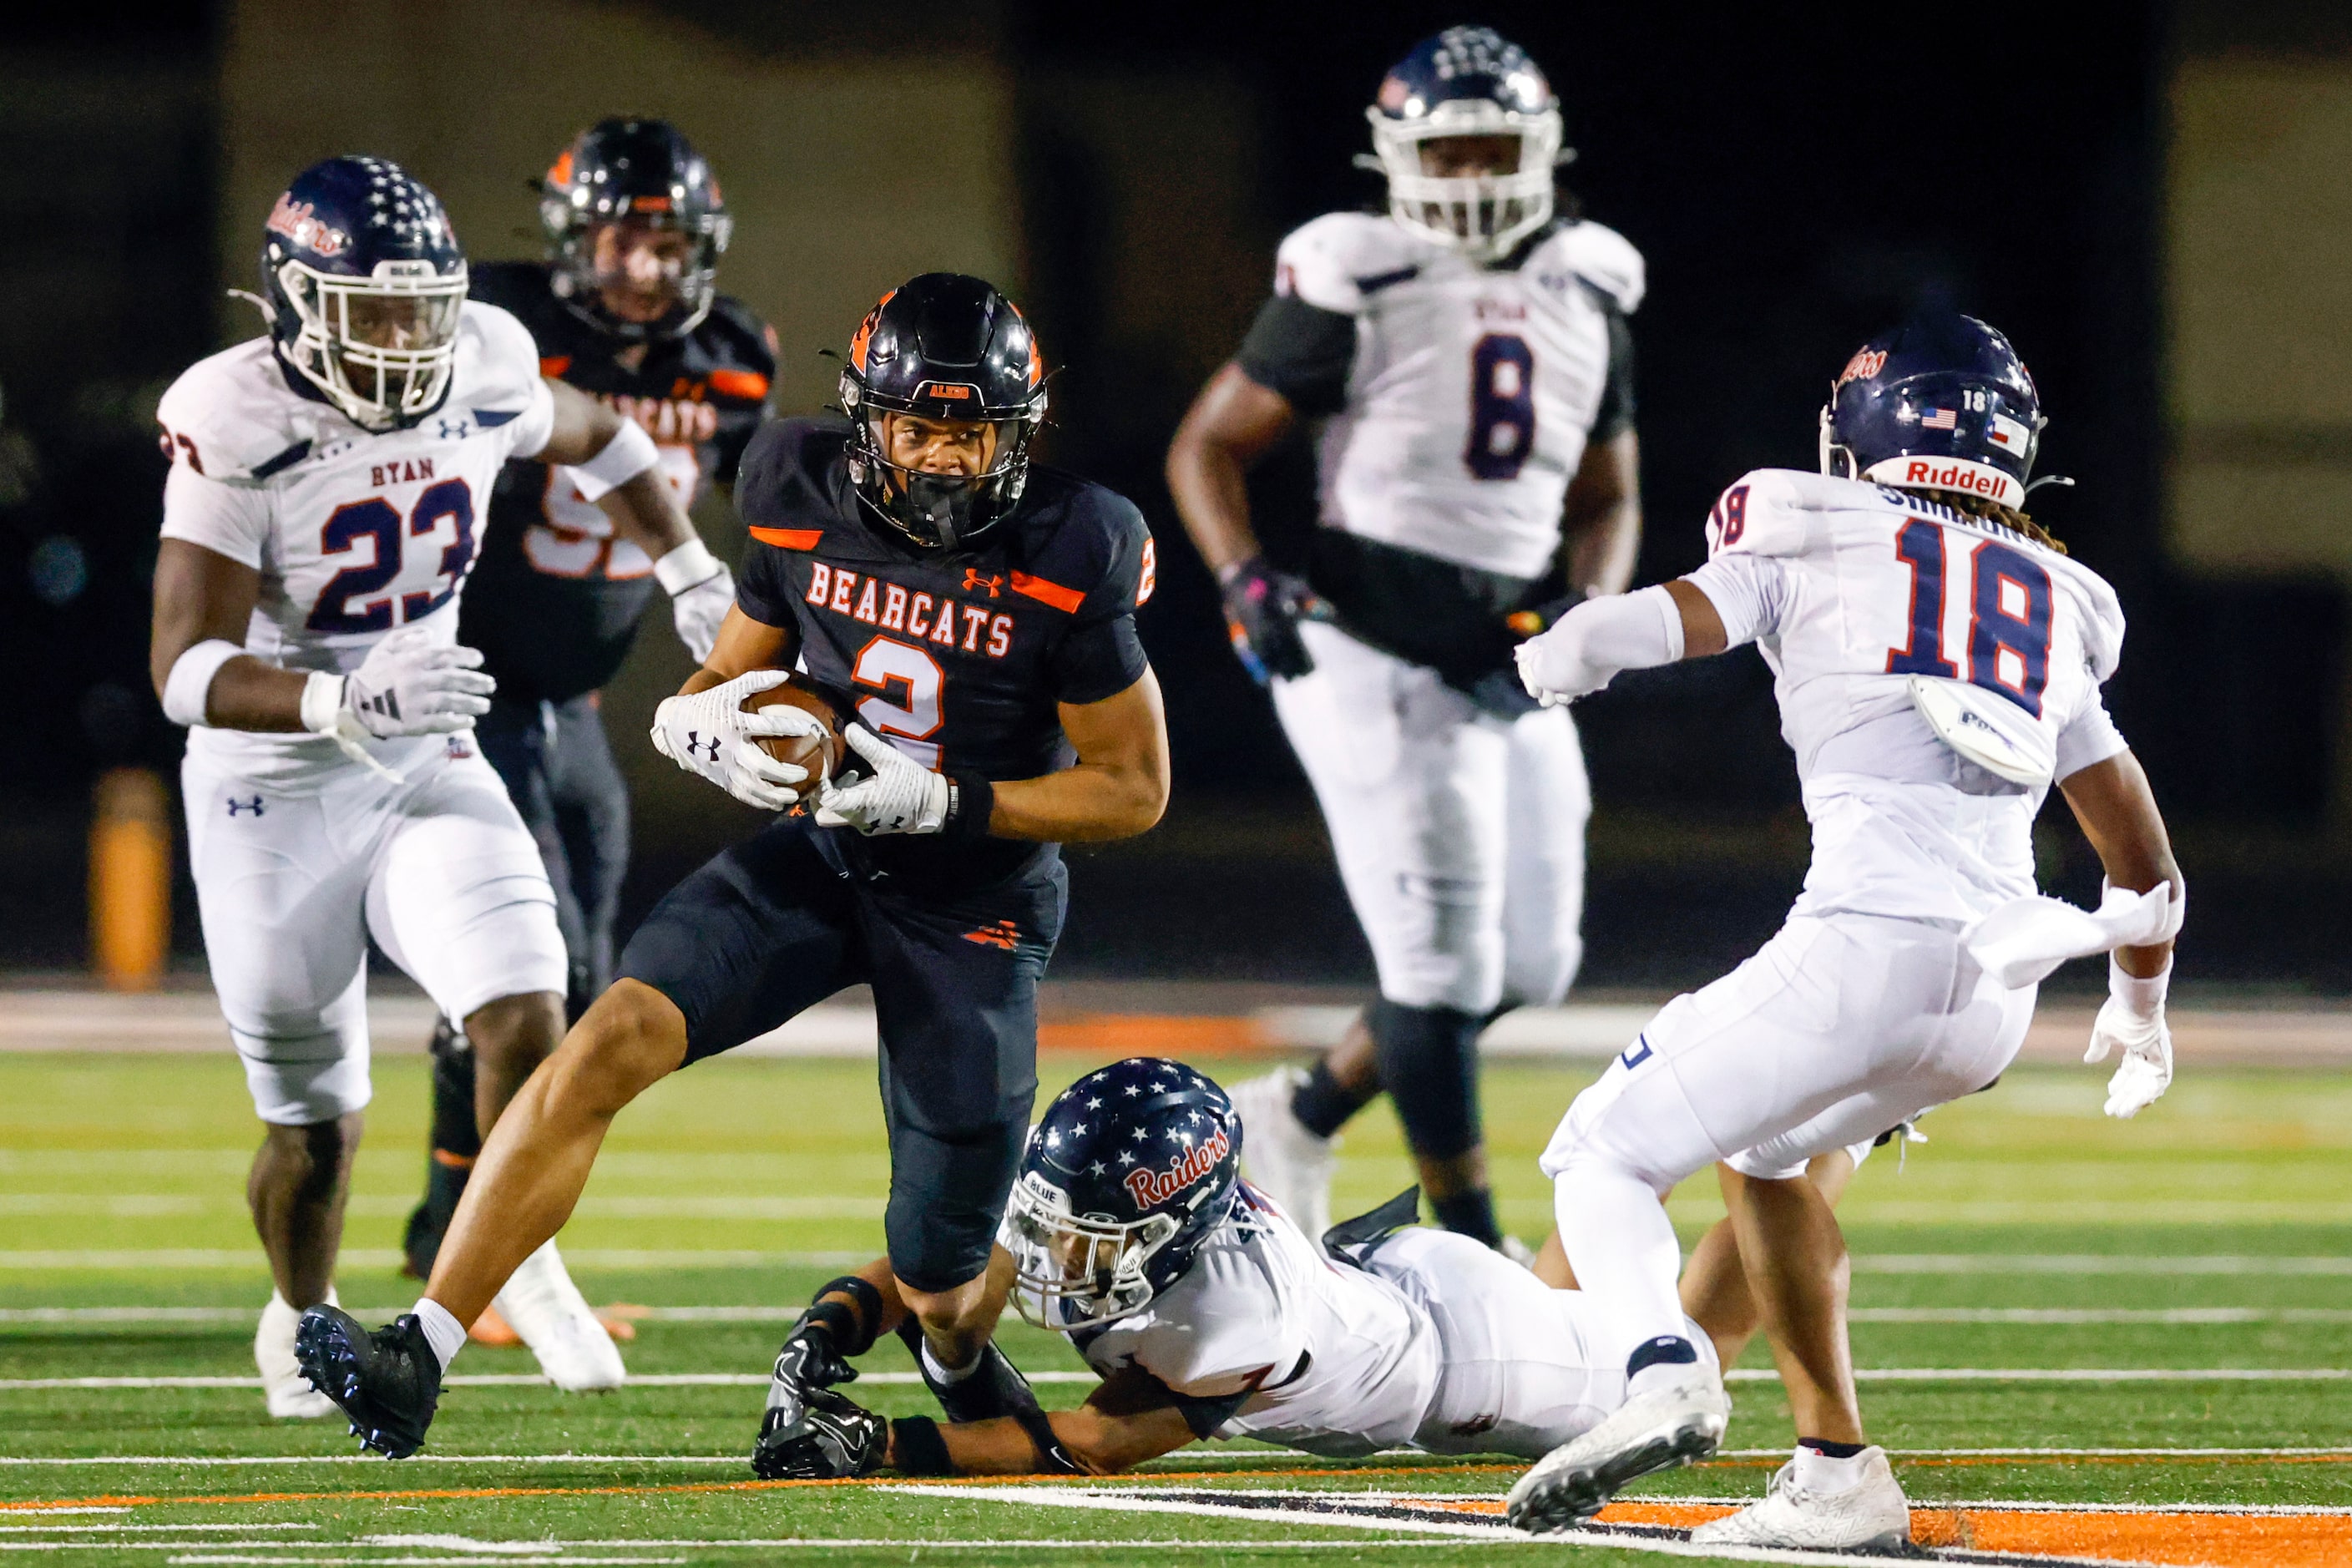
(363, 284)
(1131, 1168)
(1468, 81)
(634, 170)
(1941, 403)
(943, 346)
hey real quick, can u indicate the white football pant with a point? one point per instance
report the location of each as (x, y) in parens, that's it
(439, 870)
(1838, 1028)
(1460, 835)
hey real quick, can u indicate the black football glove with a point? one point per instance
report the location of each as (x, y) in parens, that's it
(1263, 609)
(828, 1437)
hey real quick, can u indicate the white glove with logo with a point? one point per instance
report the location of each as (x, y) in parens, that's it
(2133, 1019)
(701, 591)
(901, 795)
(708, 733)
(409, 684)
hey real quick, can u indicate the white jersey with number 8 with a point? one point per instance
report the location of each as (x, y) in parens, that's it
(1852, 589)
(1472, 387)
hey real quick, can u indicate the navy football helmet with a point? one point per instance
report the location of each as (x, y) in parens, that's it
(1941, 403)
(947, 347)
(1131, 1168)
(1468, 81)
(634, 171)
(363, 284)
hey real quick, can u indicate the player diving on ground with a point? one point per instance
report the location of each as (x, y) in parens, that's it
(977, 614)
(328, 481)
(1937, 660)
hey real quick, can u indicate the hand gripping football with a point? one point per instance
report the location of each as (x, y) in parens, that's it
(820, 755)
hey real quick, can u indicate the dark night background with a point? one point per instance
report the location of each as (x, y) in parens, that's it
(1795, 185)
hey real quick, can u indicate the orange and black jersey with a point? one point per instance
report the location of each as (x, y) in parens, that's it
(960, 660)
(556, 598)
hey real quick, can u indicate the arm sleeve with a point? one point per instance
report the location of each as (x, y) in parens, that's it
(2089, 739)
(1748, 591)
(1615, 415)
(228, 520)
(1301, 350)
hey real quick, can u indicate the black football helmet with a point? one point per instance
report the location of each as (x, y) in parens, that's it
(1941, 403)
(363, 284)
(1128, 1171)
(943, 346)
(640, 171)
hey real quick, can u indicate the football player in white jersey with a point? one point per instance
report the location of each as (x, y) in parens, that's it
(1937, 660)
(319, 523)
(1468, 355)
(1208, 1313)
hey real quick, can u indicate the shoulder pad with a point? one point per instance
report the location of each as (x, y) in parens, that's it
(1771, 511)
(2102, 615)
(1221, 1330)
(1606, 260)
(754, 341)
(231, 417)
(1335, 262)
(505, 356)
(1099, 553)
(780, 478)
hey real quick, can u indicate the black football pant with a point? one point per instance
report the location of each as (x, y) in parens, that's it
(772, 927)
(558, 769)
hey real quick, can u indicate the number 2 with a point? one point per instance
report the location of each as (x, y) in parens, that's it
(907, 709)
(2008, 616)
(1502, 406)
(375, 521)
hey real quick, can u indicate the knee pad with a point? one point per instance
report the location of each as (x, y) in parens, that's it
(1429, 1063)
(305, 1080)
(1439, 943)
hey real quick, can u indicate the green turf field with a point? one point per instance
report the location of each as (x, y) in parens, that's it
(2213, 1233)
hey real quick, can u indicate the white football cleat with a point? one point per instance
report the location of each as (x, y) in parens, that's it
(1279, 1155)
(1872, 1515)
(555, 1321)
(287, 1391)
(1670, 1424)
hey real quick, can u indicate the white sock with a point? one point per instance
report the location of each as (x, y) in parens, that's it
(949, 1375)
(443, 1331)
(1819, 1472)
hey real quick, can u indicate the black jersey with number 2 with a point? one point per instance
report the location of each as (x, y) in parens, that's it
(960, 660)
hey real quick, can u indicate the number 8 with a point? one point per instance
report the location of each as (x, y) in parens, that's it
(1502, 406)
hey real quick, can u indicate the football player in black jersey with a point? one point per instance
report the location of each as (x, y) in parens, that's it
(976, 615)
(628, 310)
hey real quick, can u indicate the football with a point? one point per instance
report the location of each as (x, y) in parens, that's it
(820, 755)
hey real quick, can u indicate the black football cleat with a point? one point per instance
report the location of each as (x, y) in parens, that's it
(387, 1381)
(994, 1388)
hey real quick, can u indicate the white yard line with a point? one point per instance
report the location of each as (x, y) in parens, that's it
(189, 1258)
(2089, 1263)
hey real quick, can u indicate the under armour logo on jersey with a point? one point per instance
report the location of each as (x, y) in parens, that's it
(695, 744)
(253, 805)
(450, 429)
(1637, 1054)
(972, 579)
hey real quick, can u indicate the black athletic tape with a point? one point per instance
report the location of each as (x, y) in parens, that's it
(917, 1450)
(975, 803)
(1053, 1458)
(860, 1339)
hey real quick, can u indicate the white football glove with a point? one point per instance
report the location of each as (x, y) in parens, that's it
(2133, 1019)
(411, 685)
(708, 733)
(901, 795)
(1586, 647)
(1554, 669)
(697, 606)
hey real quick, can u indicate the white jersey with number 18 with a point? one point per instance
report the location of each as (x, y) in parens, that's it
(1849, 590)
(355, 533)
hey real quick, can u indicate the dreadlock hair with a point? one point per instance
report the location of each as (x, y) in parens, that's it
(2007, 517)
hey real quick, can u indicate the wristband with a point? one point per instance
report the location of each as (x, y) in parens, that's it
(859, 1336)
(322, 702)
(2141, 998)
(917, 1450)
(689, 565)
(629, 453)
(192, 678)
(972, 802)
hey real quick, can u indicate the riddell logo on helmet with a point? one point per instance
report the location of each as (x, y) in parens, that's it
(1866, 363)
(297, 222)
(1148, 1186)
(1974, 479)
